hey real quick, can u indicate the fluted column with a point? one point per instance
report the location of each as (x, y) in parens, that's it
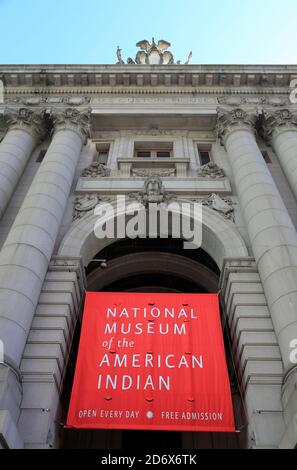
(272, 234)
(280, 128)
(25, 128)
(28, 248)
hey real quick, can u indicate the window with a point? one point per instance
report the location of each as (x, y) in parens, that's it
(163, 154)
(266, 156)
(204, 152)
(153, 149)
(144, 154)
(103, 152)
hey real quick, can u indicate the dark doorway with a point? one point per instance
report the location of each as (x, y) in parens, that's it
(149, 266)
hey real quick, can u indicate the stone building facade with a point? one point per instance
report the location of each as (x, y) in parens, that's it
(76, 136)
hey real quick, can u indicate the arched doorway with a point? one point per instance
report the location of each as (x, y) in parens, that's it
(145, 264)
(156, 265)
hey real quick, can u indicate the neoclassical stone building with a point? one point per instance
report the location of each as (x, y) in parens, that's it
(77, 135)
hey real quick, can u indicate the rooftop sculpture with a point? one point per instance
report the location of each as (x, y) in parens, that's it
(152, 54)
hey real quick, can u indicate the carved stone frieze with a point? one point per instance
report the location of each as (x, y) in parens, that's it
(76, 100)
(253, 100)
(96, 170)
(222, 205)
(146, 172)
(211, 171)
(106, 100)
(87, 203)
(43, 99)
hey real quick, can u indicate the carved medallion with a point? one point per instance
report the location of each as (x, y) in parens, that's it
(96, 170)
(211, 170)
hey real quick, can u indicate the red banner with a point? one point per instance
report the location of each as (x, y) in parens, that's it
(151, 361)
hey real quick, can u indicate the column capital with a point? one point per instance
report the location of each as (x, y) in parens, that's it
(74, 120)
(276, 122)
(26, 119)
(234, 119)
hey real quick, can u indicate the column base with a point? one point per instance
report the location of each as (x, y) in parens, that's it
(255, 352)
(10, 437)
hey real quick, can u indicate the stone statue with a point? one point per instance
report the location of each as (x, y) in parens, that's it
(154, 190)
(189, 58)
(153, 53)
(119, 56)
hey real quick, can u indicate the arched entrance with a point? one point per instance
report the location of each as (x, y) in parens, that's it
(152, 265)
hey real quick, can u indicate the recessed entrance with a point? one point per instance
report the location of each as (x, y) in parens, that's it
(148, 266)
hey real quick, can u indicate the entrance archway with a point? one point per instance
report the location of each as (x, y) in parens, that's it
(220, 237)
(151, 265)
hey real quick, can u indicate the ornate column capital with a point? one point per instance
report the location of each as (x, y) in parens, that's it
(234, 119)
(274, 123)
(74, 120)
(26, 119)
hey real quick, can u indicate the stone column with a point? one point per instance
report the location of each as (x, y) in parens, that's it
(25, 128)
(280, 128)
(28, 248)
(272, 234)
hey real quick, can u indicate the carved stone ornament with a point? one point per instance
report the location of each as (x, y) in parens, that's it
(34, 100)
(119, 56)
(76, 100)
(151, 54)
(222, 205)
(146, 172)
(87, 203)
(26, 119)
(154, 132)
(211, 170)
(234, 118)
(232, 100)
(254, 100)
(153, 192)
(96, 170)
(154, 54)
(72, 119)
(277, 121)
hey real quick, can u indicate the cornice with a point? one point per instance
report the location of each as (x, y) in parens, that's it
(139, 76)
(80, 90)
(243, 68)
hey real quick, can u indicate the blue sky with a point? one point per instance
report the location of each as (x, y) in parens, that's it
(88, 31)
